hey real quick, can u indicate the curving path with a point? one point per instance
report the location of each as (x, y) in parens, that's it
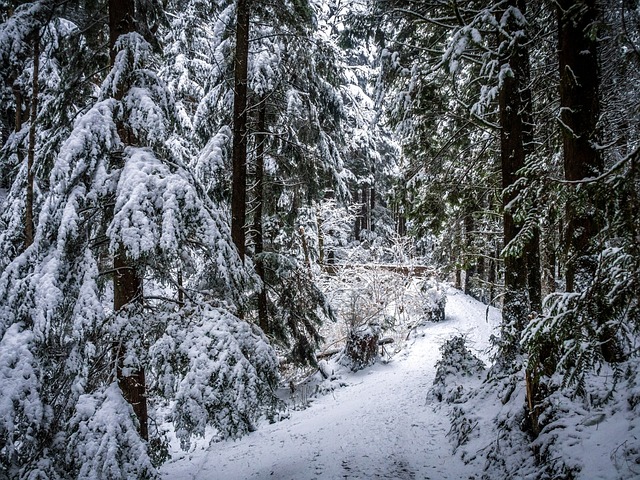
(380, 426)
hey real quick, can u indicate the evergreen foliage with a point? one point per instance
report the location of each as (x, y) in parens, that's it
(503, 134)
(66, 417)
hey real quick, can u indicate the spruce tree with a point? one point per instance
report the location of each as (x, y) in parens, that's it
(121, 193)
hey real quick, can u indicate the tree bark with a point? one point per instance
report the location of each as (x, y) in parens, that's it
(534, 272)
(470, 266)
(17, 93)
(127, 289)
(579, 113)
(127, 283)
(372, 204)
(28, 218)
(239, 153)
(121, 21)
(357, 229)
(515, 107)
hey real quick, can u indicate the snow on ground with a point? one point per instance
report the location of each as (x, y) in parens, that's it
(380, 426)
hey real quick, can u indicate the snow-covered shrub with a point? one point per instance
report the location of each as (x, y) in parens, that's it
(362, 294)
(361, 349)
(335, 229)
(104, 440)
(435, 300)
(604, 416)
(220, 370)
(457, 361)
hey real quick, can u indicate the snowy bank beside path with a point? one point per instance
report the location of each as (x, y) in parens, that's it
(380, 426)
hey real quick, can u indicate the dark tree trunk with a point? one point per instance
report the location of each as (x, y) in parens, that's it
(358, 220)
(17, 126)
(515, 107)
(402, 225)
(239, 154)
(28, 218)
(263, 318)
(321, 257)
(470, 272)
(579, 112)
(121, 21)
(366, 215)
(127, 290)
(549, 240)
(127, 283)
(17, 93)
(492, 276)
(372, 206)
(482, 275)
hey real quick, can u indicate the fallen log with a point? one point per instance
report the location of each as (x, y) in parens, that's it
(415, 270)
(328, 353)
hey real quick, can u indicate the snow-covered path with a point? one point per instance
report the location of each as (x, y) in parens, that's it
(380, 426)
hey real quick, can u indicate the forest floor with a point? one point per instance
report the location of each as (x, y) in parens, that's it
(380, 424)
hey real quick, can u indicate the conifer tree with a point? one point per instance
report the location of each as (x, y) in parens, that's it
(121, 194)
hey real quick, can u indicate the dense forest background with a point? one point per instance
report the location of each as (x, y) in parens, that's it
(174, 175)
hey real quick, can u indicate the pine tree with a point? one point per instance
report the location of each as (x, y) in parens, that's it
(122, 194)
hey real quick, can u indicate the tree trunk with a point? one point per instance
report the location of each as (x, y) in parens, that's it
(28, 217)
(127, 289)
(17, 93)
(492, 275)
(579, 113)
(470, 271)
(515, 107)
(550, 242)
(263, 319)
(121, 21)
(366, 214)
(372, 205)
(18, 120)
(127, 283)
(358, 217)
(239, 154)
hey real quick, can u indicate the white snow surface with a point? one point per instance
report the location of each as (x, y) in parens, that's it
(381, 425)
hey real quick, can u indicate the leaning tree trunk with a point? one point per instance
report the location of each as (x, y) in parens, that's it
(127, 283)
(239, 152)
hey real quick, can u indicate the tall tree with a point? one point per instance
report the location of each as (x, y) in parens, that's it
(127, 284)
(579, 115)
(579, 111)
(240, 105)
(33, 115)
(120, 201)
(295, 131)
(515, 135)
(485, 67)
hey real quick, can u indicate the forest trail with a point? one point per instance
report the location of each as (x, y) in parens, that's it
(382, 425)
